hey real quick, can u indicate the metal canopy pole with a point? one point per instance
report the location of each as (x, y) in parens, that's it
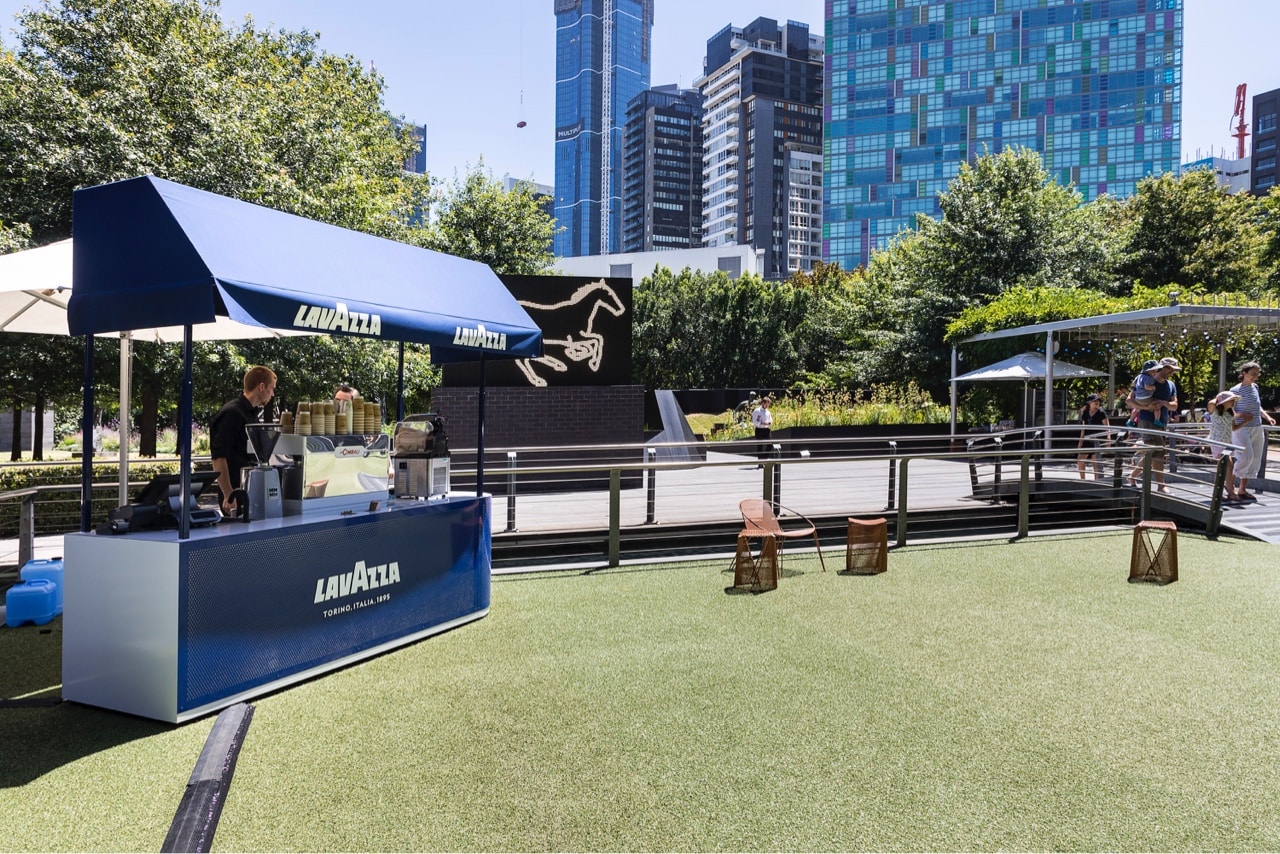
(400, 387)
(185, 407)
(86, 439)
(955, 362)
(126, 428)
(480, 430)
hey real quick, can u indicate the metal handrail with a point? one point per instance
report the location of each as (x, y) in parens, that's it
(894, 456)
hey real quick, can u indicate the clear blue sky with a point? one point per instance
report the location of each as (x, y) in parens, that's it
(471, 69)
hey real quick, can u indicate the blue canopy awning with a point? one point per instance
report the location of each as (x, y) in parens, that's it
(149, 252)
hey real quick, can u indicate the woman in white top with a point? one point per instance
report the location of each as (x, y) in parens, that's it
(1221, 418)
(1248, 427)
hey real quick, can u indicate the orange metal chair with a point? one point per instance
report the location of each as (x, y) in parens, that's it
(760, 517)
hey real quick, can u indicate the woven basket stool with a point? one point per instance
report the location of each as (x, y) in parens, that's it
(1155, 553)
(867, 552)
(760, 573)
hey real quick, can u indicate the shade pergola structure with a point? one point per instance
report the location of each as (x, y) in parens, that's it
(1155, 325)
(1024, 368)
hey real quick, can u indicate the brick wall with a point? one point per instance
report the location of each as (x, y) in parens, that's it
(522, 417)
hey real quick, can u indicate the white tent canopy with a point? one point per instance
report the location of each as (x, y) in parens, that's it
(1025, 367)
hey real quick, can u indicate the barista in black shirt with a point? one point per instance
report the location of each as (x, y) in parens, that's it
(228, 442)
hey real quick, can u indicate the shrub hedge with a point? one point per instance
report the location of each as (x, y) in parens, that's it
(58, 512)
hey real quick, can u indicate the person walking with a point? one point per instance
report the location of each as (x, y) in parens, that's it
(762, 421)
(1092, 415)
(1248, 432)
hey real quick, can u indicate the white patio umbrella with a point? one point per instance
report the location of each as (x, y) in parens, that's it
(35, 285)
(1025, 367)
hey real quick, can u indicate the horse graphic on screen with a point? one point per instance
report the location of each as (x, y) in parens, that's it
(587, 347)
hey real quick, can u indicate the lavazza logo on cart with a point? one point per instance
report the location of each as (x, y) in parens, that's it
(337, 319)
(361, 579)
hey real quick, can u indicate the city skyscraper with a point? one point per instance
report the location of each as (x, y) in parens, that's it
(662, 170)
(762, 141)
(1265, 137)
(602, 63)
(1094, 86)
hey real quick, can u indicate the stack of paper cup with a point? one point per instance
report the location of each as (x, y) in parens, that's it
(303, 425)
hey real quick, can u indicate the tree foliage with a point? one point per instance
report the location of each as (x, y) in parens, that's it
(705, 330)
(101, 90)
(1190, 232)
(478, 219)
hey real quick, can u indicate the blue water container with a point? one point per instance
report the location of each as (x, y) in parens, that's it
(29, 602)
(49, 570)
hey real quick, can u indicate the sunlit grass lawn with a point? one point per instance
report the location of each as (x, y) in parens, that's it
(990, 697)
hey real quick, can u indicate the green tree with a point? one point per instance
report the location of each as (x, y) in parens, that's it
(705, 330)
(101, 90)
(1188, 231)
(478, 219)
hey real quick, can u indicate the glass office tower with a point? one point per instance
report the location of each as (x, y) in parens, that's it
(916, 87)
(602, 63)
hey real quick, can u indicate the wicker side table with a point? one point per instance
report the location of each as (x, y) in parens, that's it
(867, 552)
(1155, 553)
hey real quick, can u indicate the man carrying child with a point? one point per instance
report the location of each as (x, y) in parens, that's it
(1152, 400)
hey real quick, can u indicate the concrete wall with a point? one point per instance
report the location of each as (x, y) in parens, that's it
(28, 430)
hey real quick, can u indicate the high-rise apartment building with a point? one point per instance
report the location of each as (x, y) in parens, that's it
(602, 63)
(662, 170)
(918, 87)
(1266, 136)
(762, 130)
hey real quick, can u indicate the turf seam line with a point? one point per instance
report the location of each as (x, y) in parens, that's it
(196, 819)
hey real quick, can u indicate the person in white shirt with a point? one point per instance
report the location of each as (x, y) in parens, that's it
(1248, 431)
(762, 420)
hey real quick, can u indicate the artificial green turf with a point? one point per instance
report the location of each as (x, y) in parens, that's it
(1007, 696)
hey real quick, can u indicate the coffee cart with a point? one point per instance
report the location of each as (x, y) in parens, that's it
(174, 624)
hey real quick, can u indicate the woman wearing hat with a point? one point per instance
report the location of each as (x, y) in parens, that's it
(1249, 434)
(1092, 415)
(1221, 418)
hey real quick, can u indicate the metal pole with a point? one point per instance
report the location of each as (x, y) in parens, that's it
(651, 486)
(400, 385)
(1024, 498)
(480, 430)
(615, 516)
(777, 474)
(185, 408)
(893, 476)
(511, 491)
(955, 363)
(902, 501)
(126, 391)
(86, 441)
(1048, 391)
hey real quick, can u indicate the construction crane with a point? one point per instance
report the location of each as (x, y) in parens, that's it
(1242, 129)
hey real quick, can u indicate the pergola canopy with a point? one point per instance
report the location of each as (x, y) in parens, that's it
(1213, 321)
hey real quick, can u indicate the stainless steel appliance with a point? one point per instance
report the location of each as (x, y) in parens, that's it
(420, 458)
(261, 483)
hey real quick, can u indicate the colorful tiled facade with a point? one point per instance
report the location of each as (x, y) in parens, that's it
(914, 88)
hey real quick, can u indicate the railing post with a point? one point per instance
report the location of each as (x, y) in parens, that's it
(893, 475)
(995, 491)
(777, 474)
(26, 529)
(615, 516)
(1040, 459)
(1144, 512)
(1024, 498)
(511, 491)
(1215, 499)
(973, 468)
(902, 501)
(651, 486)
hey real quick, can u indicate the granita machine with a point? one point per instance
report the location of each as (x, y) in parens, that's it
(420, 457)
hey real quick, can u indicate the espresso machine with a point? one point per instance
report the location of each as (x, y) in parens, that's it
(261, 483)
